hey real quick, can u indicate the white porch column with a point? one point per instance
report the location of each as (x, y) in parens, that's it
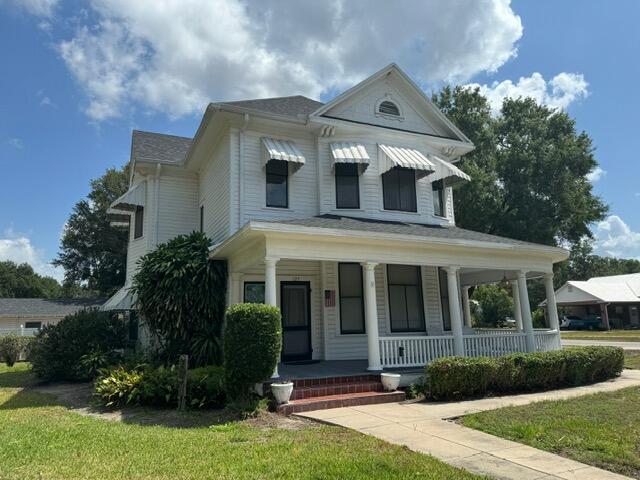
(527, 321)
(454, 308)
(466, 308)
(517, 309)
(371, 316)
(270, 286)
(235, 291)
(552, 308)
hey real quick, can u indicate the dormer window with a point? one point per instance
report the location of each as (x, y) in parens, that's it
(388, 108)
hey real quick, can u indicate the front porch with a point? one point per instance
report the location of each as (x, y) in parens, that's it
(392, 300)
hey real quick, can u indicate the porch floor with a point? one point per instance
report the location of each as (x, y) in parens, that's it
(332, 368)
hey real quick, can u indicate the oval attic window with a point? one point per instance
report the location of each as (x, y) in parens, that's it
(389, 108)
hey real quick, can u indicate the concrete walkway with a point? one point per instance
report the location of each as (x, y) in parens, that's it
(423, 427)
(625, 345)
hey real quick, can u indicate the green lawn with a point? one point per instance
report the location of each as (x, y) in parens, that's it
(632, 359)
(41, 439)
(611, 335)
(602, 430)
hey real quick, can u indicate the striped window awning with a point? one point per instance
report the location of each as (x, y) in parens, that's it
(447, 171)
(391, 157)
(282, 150)
(133, 198)
(348, 152)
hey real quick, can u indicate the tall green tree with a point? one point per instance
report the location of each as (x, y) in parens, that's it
(529, 170)
(20, 281)
(92, 253)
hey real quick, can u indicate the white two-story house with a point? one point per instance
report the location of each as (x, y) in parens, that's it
(342, 215)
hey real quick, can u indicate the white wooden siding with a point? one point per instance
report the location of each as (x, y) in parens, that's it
(215, 192)
(178, 203)
(137, 247)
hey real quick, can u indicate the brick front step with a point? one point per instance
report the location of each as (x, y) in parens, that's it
(300, 393)
(319, 382)
(337, 401)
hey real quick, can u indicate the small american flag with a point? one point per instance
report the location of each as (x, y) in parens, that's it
(329, 298)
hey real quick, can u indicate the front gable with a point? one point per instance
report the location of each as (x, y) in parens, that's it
(416, 113)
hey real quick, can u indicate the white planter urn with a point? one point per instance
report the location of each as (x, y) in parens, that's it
(282, 392)
(390, 381)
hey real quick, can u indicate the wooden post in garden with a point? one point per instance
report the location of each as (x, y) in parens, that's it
(183, 368)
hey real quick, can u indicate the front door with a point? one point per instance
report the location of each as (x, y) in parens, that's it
(296, 320)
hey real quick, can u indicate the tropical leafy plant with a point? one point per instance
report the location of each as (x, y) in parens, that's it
(181, 295)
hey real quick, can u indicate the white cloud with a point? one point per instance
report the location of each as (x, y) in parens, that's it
(596, 174)
(173, 56)
(614, 238)
(559, 92)
(15, 143)
(19, 249)
(39, 8)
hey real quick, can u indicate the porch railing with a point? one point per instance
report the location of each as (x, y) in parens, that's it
(418, 351)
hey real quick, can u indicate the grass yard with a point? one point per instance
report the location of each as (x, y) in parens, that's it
(611, 335)
(41, 439)
(632, 359)
(602, 430)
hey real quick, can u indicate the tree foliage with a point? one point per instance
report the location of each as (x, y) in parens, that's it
(20, 281)
(496, 304)
(92, 253)
(181, 297)
(529, 170)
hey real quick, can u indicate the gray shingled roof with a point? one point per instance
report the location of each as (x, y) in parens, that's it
(290, 106)
(382, 226)
(45, 307)
(158, 148)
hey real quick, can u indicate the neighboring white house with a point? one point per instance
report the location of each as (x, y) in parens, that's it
(615, 299)
(24, 316)
(342, 215)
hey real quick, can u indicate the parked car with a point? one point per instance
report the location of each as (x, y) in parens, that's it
(574, 322)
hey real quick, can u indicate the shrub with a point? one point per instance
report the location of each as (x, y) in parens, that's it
(181, 295)
(57, 350)
(158, 387)
(12, 347)
(462, 377)
(252, 342)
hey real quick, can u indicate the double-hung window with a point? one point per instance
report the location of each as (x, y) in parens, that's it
(347, 188)
(444, 300)
(405, 298)
(277, 184)
(438, 198)
(399, 189)
(351, 298)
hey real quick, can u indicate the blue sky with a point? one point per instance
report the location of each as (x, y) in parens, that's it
(77, 77)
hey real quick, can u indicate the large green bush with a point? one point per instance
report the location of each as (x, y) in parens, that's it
(59, 351)
(158, 387)
(463, 377)
(181, 296)
(252, 343)
(12, 347)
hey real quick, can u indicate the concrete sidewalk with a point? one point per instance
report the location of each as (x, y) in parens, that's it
(423, 427)
(626, 345)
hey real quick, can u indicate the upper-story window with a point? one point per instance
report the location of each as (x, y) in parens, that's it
(388, 108)
(438, 198)
(399, 189)
(277, 184)
(347, 185)
(138, 222)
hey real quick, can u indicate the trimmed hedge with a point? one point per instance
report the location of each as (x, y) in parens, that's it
(158, 387)
(252, 343)
(12, 347)
(464, 377)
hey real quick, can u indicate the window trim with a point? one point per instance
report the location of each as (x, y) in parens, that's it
(138, 227)
(421, 302)
(364, 326)
(286, 184)
(441, 195)
(357, 177)
(415, 190)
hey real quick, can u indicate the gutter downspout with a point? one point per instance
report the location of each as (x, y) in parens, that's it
(157, 203)
(245, 125)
